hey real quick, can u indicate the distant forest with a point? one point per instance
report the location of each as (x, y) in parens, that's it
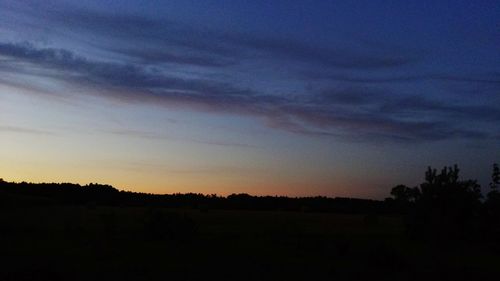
(31, 194)
(444, 205)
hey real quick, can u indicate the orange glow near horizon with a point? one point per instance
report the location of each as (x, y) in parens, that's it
(172, 184)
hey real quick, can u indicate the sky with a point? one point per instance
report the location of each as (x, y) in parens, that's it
(297, 98)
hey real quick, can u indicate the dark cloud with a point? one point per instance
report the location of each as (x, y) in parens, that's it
(361, 114)
(114, 75)
(390, 104)
(332, 57)
(155, 56)
(387, 102)
(356, 96)
(161, 41)
(129, 30)
(450, 109)
(380, 126)
(487, 79)
(214, 48)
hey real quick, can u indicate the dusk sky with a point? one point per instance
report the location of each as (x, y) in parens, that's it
(298, 98)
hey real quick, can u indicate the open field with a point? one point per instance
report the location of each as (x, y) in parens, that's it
(129, 243)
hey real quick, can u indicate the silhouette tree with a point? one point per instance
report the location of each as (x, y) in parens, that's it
(492, 204)
(446, 206)
(493, 200)
(403, 198)
(403, 193)
(495, 178)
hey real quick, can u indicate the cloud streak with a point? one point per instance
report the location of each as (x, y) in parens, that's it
(21, 130)
(156, 74)
(172, 42)
(490, 79)
(327, 115)
(151, 135)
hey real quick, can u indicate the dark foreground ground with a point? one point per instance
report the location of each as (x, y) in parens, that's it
(135, 243)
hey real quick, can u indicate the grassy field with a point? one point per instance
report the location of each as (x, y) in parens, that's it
(112, 243)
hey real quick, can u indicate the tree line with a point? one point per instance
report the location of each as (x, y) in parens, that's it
(26, 194)
(446, 206)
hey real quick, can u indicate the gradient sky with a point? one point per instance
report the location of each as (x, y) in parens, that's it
(335, 98)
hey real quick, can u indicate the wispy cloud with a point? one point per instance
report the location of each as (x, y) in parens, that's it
(324, 115)
(22, 130)
(158, 136)
(154, 74)
(172, 42)
(486, 79)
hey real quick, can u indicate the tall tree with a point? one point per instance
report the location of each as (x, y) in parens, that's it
(446, 206)
(495, 178)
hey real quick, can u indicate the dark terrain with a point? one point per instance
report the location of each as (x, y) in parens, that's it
(95, 232)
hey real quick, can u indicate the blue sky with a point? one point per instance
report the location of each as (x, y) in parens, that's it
(267, 97)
